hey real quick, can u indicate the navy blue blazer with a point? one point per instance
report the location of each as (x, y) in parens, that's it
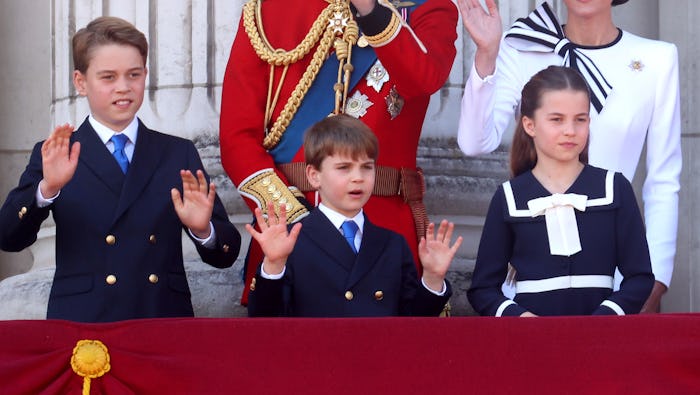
(325, 278)
(118, 238)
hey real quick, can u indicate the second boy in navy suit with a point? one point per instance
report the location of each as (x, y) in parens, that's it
(336, 263)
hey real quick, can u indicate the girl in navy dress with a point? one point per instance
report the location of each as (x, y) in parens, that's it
(635, 108)
(562, 224)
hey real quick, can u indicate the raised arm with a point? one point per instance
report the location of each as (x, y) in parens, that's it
(420, 54)
(485, 29)
(51, 166)
(200, 210)
(194, 206)
(59, 160)
(492, 90)
(436, 253)
(242, 128)
(274, 238)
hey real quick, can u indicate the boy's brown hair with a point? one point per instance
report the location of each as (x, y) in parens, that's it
(339, 134)
(103, 31)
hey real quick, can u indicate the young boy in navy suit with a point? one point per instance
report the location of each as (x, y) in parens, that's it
(335, 262)
(120, 193)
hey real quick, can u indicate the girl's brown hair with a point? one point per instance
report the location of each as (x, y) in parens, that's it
(523, 155)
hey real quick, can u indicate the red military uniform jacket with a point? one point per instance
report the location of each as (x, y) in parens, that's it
(415, 74)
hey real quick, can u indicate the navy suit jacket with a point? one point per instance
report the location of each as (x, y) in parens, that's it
(118, 238)
(325, 278)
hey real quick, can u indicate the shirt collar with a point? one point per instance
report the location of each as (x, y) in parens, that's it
(337, 219)
(105, 133)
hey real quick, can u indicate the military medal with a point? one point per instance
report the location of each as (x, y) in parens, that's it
(338, 22)
(357, 105)
(377, 76)
(394, 103)
(636, 65)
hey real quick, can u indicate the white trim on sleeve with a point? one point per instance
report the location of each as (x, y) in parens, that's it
(502, 307)
(614, 306)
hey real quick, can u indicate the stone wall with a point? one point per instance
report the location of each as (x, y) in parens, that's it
(190, 40)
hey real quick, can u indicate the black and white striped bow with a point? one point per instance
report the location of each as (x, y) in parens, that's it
(541, 32)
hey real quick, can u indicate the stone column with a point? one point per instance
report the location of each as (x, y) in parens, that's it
(678, 25)
(24, 119)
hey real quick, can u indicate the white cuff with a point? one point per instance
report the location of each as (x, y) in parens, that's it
(478, 81)
(442, 291)
(209, 242)
(264, 274)
(41, 201)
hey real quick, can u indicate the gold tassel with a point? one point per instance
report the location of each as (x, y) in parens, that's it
(90, 360)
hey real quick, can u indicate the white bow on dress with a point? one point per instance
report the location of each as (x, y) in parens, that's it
(562, 228)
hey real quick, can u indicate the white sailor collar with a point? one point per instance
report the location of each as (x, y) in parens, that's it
(595, 183)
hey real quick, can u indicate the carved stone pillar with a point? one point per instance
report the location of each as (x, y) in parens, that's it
(678, 25)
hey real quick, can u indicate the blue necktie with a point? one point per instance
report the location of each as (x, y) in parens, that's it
(119, 141)
(349, 229)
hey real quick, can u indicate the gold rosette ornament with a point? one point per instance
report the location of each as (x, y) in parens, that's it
(90, 360)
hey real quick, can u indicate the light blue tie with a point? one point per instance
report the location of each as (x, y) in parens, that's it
(349, 229)
(119, 141)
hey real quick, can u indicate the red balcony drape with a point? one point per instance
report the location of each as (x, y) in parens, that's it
(654, 354)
